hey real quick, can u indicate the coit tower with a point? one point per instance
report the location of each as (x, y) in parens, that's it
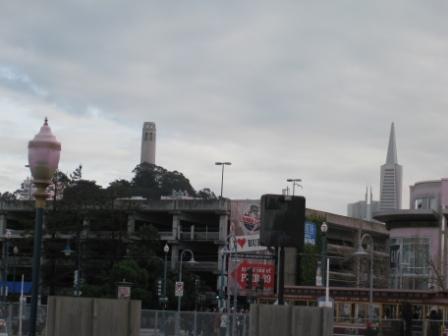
(148, 153)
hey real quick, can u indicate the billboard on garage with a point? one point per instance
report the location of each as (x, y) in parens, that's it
(262, 265)
(245, 217)
(245, 224)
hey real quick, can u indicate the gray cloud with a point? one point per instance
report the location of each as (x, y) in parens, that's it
(286, 89)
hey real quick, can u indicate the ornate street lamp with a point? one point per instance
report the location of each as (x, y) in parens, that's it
(361, 252)
(323, 258)
(43, 159)
(179, 298)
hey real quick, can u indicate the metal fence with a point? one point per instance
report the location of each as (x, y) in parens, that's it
(165, 323)
(10, 313)
(424, 327)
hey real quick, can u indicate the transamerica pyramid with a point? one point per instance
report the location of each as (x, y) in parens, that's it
(391, 177)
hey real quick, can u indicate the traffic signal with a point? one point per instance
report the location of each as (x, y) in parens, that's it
(159, 288)
(249, 278)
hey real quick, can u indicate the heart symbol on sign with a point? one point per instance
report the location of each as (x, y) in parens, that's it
(241, 241)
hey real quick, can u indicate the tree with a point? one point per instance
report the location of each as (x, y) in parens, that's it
(59, 182)
(119, 188)
(153, 181)
(206, 194)
(84, 193)
(7, 197)
(175, 181)
(76, 175)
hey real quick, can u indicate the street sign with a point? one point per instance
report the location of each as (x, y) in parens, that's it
(179, 289)
(124, 292)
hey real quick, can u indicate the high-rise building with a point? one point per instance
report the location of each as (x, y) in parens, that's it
(391, 177)
(363, 209)
(148, 153)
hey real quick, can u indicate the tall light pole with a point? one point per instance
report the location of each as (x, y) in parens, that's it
(323, 254)
(222, 164)
(43, 159)
(15, 251)
(295, 182)
(76, 274)
(166, 249)
(360, 253)
(5, 265)
(179, 298)
(221, 286)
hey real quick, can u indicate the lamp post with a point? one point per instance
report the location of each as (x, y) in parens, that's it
(166, 249)
(76, 274)
(4, 289)
(15, 251)
(295, 182)
(323, 256)
(232, 245)
(221, 286)
(179, 298)
(222, 164)
(361, 252)
(43, 159)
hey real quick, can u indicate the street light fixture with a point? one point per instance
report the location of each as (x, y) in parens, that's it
(77, 273)
(361, 252)
(179, 298)
(323, 258)
(222, 164)
(295, 182)
(43, 159)
(15, 252)
(4, 288)
(67, 249)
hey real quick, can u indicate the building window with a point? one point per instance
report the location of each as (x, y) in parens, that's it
(410, 263)
(150, 136)
(426, 203)
(418, 203)
(145, 136)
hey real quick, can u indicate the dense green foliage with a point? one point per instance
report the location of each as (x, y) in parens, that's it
(81, 206)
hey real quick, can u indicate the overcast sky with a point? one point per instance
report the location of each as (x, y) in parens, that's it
(281, 89)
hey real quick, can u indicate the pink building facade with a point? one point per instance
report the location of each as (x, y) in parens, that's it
(418, 238)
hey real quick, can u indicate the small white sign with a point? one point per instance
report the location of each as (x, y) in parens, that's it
(179, 290)
(248, 243)
(124, 292)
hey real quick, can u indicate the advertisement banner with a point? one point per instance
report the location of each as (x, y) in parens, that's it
(262, 267)
(310, 233)
(245, 217)
(249, 243)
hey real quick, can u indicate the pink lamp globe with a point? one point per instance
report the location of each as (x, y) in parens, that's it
(43, 157)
